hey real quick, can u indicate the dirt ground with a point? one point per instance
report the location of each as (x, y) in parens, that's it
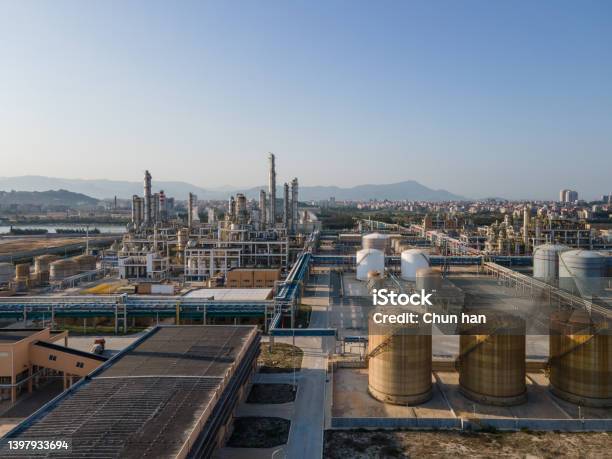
(264, 432)
(282, 359)
(8, 246)
(271, 393)
(362, 444)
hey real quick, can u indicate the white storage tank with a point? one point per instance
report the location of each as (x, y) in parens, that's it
(376, 241)
(7, 272)
(581, 271)
(369, 260)
(546, 261)
(411, 261)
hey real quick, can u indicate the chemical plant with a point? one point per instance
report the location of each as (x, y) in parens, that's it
(215, 289)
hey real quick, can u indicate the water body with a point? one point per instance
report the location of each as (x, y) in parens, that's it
(104, 228)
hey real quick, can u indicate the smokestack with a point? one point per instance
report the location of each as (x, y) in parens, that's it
(286, 206)
(232, 209)
(262, 209)
(190, 206)
(163, 210)
(294, 205)
(137, 211)
(272, 189)
(147, 198)
(526, 216)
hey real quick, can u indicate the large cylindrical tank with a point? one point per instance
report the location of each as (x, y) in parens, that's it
(580, 359)
(375, 280)
(42, 262)
(85, 263)
(61, 269)
(428, 279)
(7, 272)
(376, 241)
(546, 262)
(399, 362)
(369, 260)
(22, 271)
(411, 261)
(581, 271)
(491, 360)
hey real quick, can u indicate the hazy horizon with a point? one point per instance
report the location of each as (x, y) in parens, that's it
(477, 98)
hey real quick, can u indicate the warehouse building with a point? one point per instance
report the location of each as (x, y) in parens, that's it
(170, 394)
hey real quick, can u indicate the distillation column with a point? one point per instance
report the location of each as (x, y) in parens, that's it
(272, 189)
(294, 205)
(262, 209)
(286, 206)
(147, 198)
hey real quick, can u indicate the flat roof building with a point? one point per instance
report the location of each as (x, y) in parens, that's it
(29, 356)
(170, 394)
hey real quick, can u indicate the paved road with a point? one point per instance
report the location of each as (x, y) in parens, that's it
(306, 434)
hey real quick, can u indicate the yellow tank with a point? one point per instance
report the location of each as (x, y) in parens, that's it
(428, 279)
(22, 271)
(491, 363)
(42, 262)
(85, 263)
(580, 359)
(399, 362)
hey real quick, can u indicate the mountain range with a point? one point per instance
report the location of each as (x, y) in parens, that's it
(51, 198)
(104, 189)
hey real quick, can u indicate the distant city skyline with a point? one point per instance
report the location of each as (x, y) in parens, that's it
(478, 98)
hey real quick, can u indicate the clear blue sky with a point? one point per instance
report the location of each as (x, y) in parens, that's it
(483, 98)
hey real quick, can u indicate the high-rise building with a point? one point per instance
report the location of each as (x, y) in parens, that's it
(567, 196)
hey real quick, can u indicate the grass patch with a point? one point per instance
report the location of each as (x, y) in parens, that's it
(255, 432)
(283, 358)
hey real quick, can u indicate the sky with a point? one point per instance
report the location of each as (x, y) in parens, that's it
(481, 98)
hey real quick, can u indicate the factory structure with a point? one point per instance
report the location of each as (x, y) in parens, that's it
(252, 234)
(564, 298)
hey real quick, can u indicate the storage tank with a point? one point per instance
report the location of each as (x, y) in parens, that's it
(7, 272)
(376, 241)
(580, 359)
(369, 260)
(375, 280)
(85, 263)
(546, 262)
(22, 271)
(411, 261)
(581, 271)
(399, 361)
(42, 262)
(491, 360)
(428, 279)
(61, 269)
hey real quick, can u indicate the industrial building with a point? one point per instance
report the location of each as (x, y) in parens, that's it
(171, 394)
(29, 357)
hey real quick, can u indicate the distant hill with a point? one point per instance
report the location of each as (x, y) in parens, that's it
(101, 189)
(49, 198)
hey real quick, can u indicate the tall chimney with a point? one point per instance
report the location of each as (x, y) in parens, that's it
(262, 209)
(272, 189)
(190, 206)
(294, 205)
(526, 217)
(147, 198)
(286, 206)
